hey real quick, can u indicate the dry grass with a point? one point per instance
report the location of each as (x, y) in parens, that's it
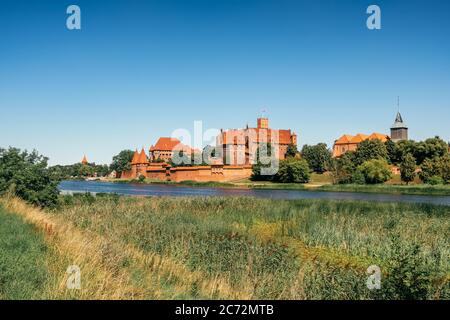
(231, 248)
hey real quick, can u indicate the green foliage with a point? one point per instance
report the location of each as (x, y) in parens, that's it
(435, 180)
(430, 149)
(293, 170)
(122, 161)
(277, 249)
(392, 152)
(375, 171)
(408, 168)
(317, 156)
(22, 259)
(438, 167)
(291, 151)
(343, 168)
(27, 176)
(369, 150)
(410, 275)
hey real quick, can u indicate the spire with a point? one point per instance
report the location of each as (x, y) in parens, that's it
(135, 157)
(84, 161)
(398, 118)
(142, 157)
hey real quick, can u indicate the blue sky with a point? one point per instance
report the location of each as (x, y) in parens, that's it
(138, 70)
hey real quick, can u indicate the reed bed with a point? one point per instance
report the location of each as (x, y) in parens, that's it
(243, 248)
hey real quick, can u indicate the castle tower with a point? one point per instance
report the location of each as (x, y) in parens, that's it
(263, 123)
(399, 130)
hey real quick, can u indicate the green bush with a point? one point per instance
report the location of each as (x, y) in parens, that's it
(293, 171)
(375, 171)
(435, 180)
(27, 176)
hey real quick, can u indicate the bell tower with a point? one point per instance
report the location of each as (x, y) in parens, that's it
(399, 130)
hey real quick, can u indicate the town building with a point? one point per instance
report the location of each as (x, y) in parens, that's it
(348, 142)
(399, 132)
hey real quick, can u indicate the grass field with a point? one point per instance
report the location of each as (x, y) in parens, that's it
(229, 248)
(22, 258)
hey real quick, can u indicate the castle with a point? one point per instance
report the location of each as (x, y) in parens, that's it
(399, 132)
(237, 153)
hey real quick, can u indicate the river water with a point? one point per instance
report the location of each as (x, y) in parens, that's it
(177, 190)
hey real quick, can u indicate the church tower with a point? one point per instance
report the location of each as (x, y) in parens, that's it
(399, 130)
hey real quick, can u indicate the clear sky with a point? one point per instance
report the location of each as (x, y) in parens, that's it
(138, 70)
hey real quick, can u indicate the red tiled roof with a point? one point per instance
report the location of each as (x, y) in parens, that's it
(142, 159)
(345, 139)
(171, 144)
(135, 157)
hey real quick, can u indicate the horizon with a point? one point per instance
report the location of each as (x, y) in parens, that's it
(137, 71)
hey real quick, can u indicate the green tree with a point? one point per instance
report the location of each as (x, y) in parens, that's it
(27, 176)
(291, 151)
(293, 170)
(317, 156)
(392, 152)
(343, 168)
(430, 148)
(408, 168)
(369, 150)
(122, 161)
(375, 171)
(445, 168)
(429, 169)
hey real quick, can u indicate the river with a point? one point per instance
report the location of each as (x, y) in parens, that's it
(179, 190)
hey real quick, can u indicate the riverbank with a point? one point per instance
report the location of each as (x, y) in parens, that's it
(317, 183)
(243, 248)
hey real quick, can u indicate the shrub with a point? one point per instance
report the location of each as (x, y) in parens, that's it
(375, 171)
(293, 170)
(27, 176)
(435, 180)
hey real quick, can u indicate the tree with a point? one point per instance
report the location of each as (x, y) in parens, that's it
(375, 171)
(436, 169)
(445, 168)
(317, 156)
(369, 150)
(343, 168)
(429, 169)
(430, 149)
(28, 177)
(122, 161)
(392, 152)
(408, 168)
(291, 151)
(293, 170)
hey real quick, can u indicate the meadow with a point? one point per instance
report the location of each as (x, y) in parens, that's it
(241, 248)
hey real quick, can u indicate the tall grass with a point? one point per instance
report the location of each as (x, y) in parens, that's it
(229, 248)
(280, 249)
